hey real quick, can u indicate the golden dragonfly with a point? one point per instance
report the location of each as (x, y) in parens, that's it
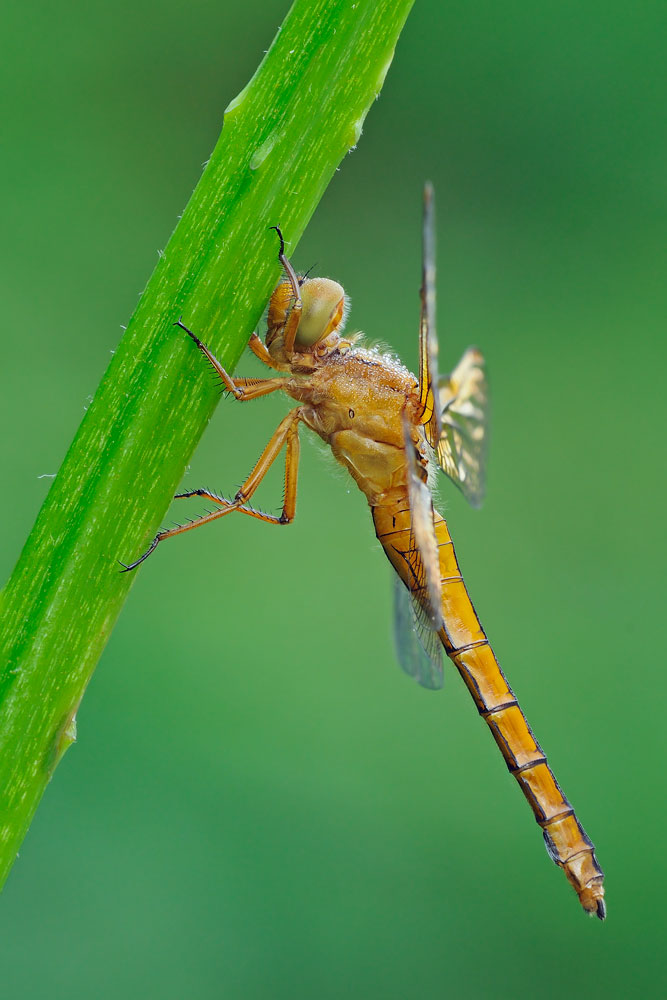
(385, 426)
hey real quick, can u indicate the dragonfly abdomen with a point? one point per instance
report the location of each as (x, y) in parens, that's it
(566, 841)
(467, 646)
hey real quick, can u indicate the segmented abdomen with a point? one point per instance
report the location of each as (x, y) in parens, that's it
(467, 646)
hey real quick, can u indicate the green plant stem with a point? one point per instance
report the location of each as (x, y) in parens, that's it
(283, 137)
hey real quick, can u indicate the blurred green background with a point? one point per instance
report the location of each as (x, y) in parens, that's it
(260, 804)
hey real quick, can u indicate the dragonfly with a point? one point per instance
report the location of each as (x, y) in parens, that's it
(389, 428)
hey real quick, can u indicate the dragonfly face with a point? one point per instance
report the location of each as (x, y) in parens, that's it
(380, 422)
(322, 306)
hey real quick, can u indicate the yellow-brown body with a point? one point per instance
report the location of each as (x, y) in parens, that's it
(355, 402)
(383, 424)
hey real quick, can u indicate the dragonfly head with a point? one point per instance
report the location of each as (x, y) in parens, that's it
(323, 312)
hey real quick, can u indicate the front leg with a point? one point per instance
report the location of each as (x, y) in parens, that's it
(294, 314)
(241, 388)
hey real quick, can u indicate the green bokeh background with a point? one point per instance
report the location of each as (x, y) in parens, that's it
(260, 804)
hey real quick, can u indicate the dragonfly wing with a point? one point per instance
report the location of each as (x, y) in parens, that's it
(430, 408)
(422, 556)
(461, 448)
(453, 410)
(418, 605)
(418, 647)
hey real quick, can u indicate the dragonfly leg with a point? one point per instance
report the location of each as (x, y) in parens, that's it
(251, 388)
(170, 532)
(261, 351)
(291, 326)
(252, 511)
(291, 475)
(287, 433)
(241, 388)
(294, 318)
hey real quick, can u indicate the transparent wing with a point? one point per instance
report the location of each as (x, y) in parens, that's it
(418, 606)
(461, 448)
(418, 647)
(453, 410)
(430, 410)
(422, 555)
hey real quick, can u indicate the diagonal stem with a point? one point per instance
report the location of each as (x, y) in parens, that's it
(283, 137)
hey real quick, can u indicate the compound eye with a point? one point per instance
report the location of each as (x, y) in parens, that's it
(323, 306)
